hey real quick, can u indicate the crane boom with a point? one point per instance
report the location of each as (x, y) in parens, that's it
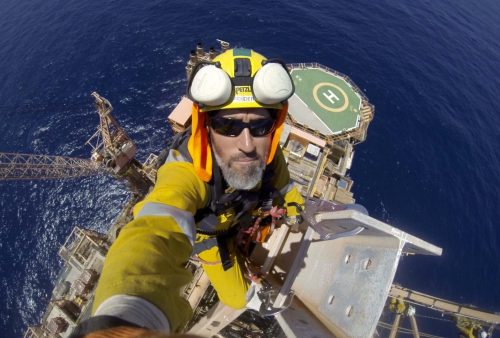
(15, 166)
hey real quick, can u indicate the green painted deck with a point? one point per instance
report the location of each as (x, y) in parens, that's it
(329, 96)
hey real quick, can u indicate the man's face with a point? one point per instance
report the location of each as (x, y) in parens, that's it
(242, 158)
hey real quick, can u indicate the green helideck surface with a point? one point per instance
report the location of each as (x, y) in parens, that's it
(328, 96)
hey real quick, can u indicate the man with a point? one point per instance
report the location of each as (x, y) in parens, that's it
(219, 180)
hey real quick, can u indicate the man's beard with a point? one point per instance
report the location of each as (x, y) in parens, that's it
(244, 177)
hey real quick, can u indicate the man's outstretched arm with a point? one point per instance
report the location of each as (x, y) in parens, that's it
(143, 274)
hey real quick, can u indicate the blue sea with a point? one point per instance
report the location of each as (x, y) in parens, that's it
(430, 165)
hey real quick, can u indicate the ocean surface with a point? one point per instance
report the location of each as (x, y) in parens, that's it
(430, 165)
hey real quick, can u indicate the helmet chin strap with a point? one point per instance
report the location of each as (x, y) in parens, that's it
(280, 122)
(199, 145)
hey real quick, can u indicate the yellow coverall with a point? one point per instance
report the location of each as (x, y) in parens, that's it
(148, 258)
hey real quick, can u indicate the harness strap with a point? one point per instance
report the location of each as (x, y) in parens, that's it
(222, 242)
(219, 239)
(225, 258)
(204, 245)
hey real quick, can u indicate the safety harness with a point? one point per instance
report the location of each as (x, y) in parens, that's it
(251, 209)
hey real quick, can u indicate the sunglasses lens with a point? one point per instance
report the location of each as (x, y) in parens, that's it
(233, 127)
(224, 126)
(261, 127)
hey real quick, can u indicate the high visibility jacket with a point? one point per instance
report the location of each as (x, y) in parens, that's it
(148, 257)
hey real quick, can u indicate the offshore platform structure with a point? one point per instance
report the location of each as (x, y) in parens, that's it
(350, 252)
(332, 277)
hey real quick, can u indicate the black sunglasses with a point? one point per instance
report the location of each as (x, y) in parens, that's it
(234, 127)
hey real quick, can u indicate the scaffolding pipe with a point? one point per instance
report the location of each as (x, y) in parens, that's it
(414, 327)
(395, 326)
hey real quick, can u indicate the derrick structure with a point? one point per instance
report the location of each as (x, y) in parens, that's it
(110, 144)
(15, 166)
(113, 148)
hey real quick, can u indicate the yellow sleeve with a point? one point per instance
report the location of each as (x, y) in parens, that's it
(147, 260)
(148, 257)
(178, 186)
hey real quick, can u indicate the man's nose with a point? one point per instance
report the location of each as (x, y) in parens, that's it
(245, 141)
